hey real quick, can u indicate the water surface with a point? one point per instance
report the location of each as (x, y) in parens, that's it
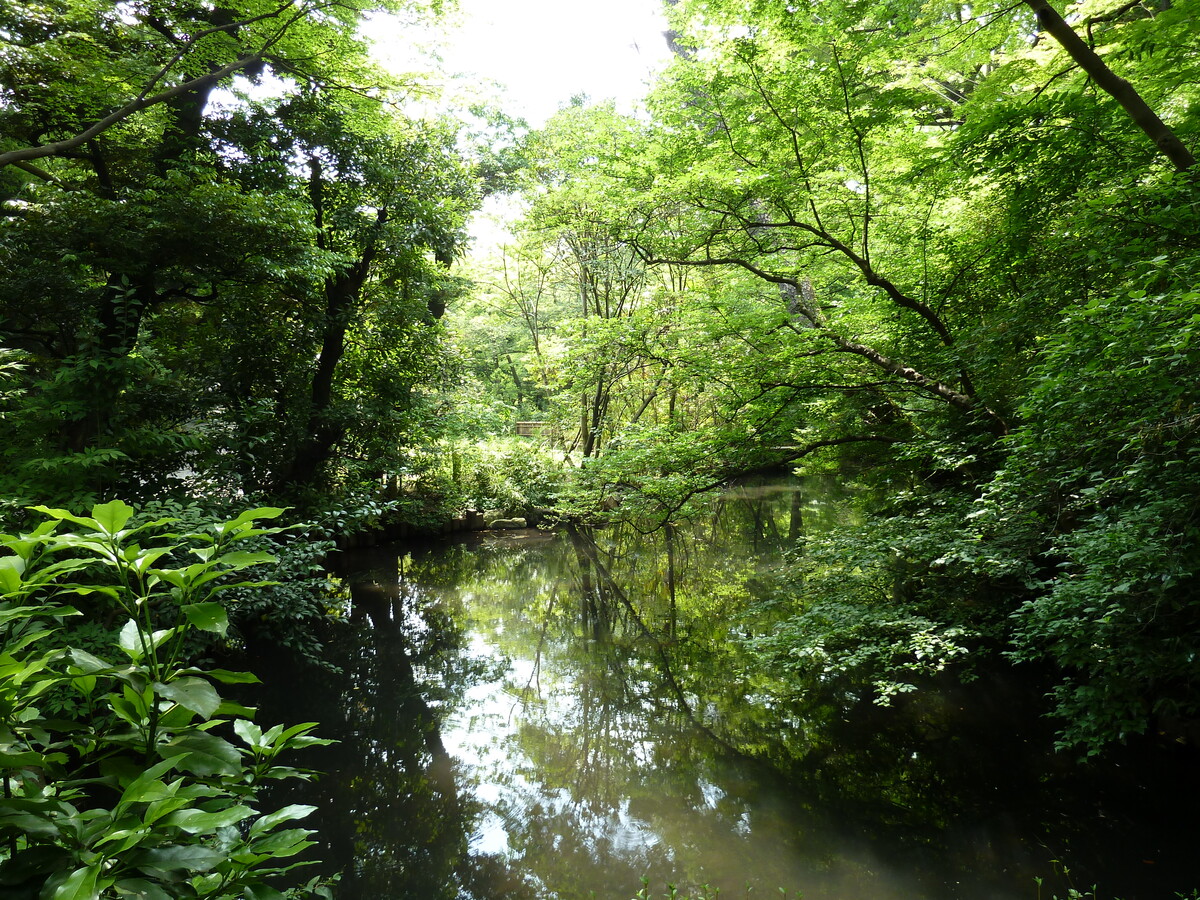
(539, 715)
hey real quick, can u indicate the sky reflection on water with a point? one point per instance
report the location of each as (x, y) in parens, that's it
(527, 717)
(589, 780)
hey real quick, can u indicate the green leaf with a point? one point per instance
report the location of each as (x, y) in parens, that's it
(141, 889)
(208, 617)
(130, 640)
(24, 759)
(130, 706)
(197, 821)
(170, 576)
(11, 570)
(287, 814)
(111, 517)
(141, 560)
(225, 676)
(282, 843)
(86, 663)
(165, 861)
(66, 516)
(235, 710)
(263, 892)
(159, 808)
(17, 644)
(195, 694)
(20, 612)
(147, 786)
(292, 730)
(80, 885)
(88, 589)
(207, 754)
(131, 637)
(241, 559)
(117, 838)
(248, 732)
(33, 823)
(261, 512)
(158, 638)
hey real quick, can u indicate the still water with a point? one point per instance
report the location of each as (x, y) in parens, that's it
(564, 715)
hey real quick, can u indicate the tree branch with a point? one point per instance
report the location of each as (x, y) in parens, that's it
(939, 389)
(1112, 84)
(144, 100)
(38, 172)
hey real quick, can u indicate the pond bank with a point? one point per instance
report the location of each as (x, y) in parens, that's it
(391, 532)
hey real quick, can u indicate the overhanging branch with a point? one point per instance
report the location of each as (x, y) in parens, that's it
(1112, 84)
(821, 325)
(146, 100)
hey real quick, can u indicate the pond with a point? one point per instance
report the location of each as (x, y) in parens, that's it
(562, 715)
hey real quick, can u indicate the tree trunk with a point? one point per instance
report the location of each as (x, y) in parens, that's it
(1116, 87)
(342, 291)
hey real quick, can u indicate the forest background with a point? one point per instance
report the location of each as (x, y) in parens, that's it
(948, 252)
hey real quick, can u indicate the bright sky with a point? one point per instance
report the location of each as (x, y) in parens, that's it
(543, 52)
(539, 53)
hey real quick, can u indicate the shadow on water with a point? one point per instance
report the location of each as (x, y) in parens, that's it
(530, 715)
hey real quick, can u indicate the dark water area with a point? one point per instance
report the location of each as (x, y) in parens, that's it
(565, 715)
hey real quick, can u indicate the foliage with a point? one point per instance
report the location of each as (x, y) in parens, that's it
(233, 289)
(292, 603)
(1107, 467)
(517, 476)
(912, 243)
(672, 893)
(154, 789)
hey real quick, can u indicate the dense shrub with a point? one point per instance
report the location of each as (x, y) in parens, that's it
(148, 782)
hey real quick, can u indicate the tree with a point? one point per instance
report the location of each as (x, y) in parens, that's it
(908, 231)
(809, 150)
(604, 275)
(1118, 88)
(801, 175)
(198, 239)
(139, 56)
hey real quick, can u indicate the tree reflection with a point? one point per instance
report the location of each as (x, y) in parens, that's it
(625, 767)
(393, 819)
(620, 730)
(646, 744)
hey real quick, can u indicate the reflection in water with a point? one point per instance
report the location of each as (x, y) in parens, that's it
(537, 716)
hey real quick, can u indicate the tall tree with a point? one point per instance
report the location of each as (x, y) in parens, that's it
(605, 277)
(220, 196)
